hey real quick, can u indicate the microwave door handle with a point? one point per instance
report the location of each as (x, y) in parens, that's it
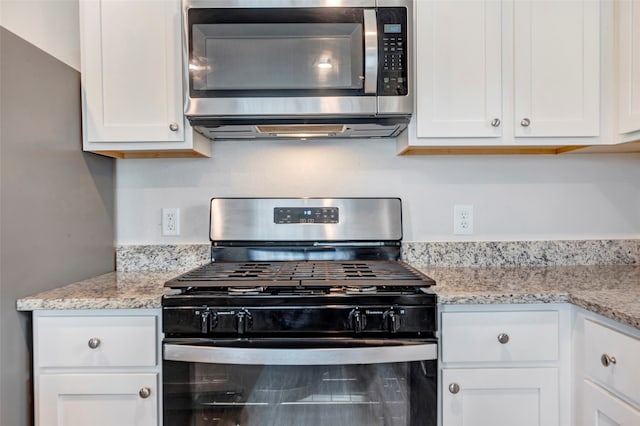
(318, 356)
(370, 51)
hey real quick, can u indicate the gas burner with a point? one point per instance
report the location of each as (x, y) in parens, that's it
(244, 290)
(360, 290)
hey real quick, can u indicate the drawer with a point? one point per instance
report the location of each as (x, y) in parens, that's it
(500, 336)
(621, 376)
(95, 341)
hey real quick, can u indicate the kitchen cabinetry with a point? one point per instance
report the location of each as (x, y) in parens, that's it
(459, 78)
(521, 76)
(608, 379)
(96, 367)
(132, 80)
(504, 365)
(98, 399)
(500, 397)
(604, 409)
(628, 47)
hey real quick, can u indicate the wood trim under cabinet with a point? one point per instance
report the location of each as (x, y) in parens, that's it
(488, 150)
(153, 154)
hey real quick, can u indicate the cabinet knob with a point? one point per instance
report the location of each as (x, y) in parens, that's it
(454, 388)
(495, 122)
(503, 338)
(525, 122)
(144, 393)
(607, 360)
(174, 127)
(93, 343)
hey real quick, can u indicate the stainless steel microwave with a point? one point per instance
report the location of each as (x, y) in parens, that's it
(298, 68)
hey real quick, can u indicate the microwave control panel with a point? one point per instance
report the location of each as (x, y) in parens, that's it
(392, 37)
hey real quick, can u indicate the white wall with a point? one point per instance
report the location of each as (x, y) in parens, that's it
(515, 197)
(51, 25)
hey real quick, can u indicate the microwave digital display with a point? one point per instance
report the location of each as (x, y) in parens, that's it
(392, 28)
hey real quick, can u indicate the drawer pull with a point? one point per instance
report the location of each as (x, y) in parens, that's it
(607, 360)
(93, 343)
(503, 338)
(145, 392)
(454, 388)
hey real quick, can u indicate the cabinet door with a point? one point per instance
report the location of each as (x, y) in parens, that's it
(131, 70)
(557, 67)
(500, 397)
(628, 14)
(603, 409)
(458, 79)
(97, 400)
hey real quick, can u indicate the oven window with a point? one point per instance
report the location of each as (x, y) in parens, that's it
(394, 394)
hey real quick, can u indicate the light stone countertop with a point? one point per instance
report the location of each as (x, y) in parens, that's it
(114, 290)
(612, 291)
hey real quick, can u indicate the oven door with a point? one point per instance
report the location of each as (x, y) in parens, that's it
(301, 381)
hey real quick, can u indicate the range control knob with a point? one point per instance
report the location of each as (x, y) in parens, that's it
(392, 320)
(208, 320)
(204, 321)
(358, 320)
(243, 321)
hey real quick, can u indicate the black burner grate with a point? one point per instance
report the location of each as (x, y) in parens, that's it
(291, 273)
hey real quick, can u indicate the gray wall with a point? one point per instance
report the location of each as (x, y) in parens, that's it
(56, 203)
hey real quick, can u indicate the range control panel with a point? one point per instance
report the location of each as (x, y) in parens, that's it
(392, 72)
(289, 215)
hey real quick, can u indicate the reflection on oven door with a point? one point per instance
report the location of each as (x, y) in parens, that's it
(394, 394)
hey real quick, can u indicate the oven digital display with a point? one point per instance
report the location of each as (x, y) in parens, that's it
(290, 215)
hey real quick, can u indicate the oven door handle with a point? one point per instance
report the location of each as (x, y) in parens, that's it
(315, 356)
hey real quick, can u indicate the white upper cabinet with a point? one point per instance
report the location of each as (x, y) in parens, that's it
(512, 73)
(131, 82)
(629, 65)
(132, 78)
(459, 67)
(557, 68)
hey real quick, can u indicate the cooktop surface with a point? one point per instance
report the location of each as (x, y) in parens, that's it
(305, 274)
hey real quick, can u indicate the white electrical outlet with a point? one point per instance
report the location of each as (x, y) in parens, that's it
(463, 219)
(170, 221)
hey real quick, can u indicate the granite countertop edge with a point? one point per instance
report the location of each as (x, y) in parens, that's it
(612, 291)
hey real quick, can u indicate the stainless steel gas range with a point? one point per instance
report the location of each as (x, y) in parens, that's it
(305, 316)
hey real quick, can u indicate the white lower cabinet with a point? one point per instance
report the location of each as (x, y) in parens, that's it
(603, 409)
(505, 365)
(97, 367)
(98, 399)
(607, 376)
(500, 397)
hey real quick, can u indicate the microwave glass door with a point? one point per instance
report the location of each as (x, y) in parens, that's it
(281, 52)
